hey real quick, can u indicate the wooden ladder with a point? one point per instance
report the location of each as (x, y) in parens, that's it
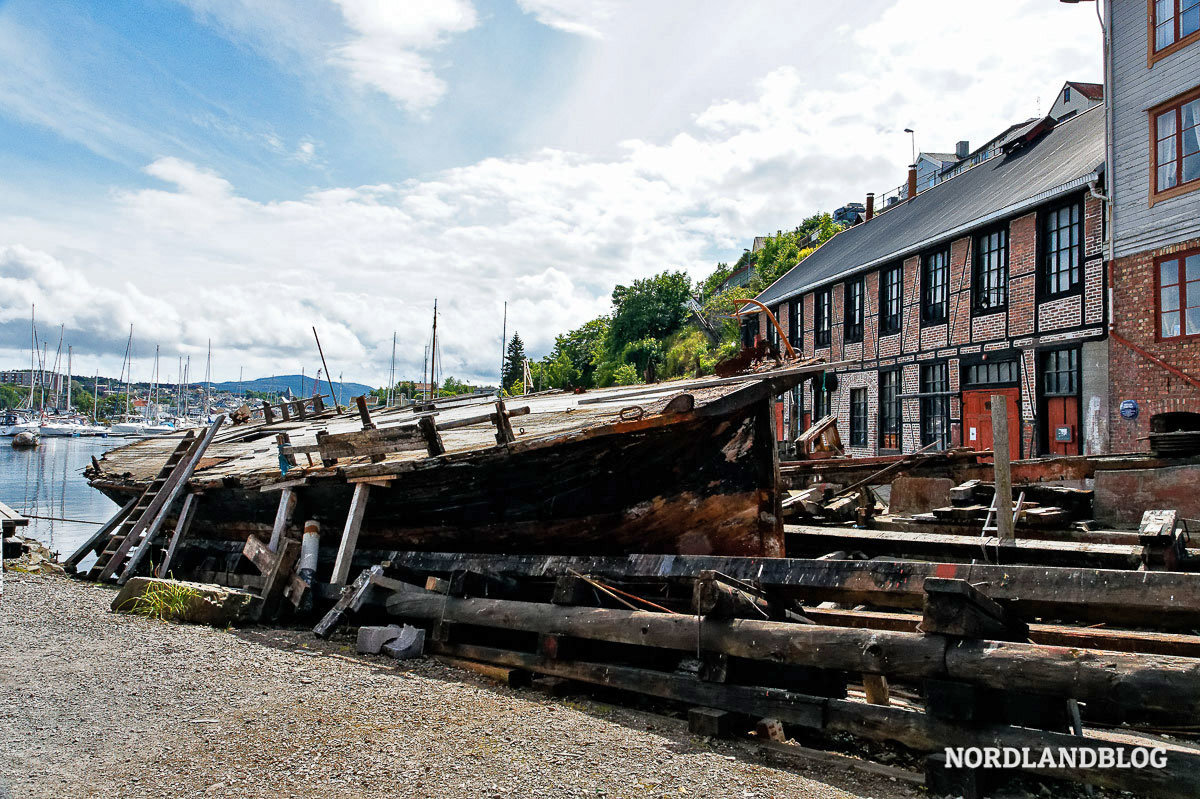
(117, 549)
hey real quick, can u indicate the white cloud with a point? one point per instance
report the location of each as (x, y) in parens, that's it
(389, 42)
(583, 17)
(381, 45)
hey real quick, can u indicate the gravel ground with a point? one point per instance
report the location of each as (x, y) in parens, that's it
(100, 704)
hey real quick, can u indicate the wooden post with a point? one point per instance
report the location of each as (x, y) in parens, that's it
(1000, 459)
(283, 517)
(284, 412)
(268, 414)
(433, 439)
(361, 402)
(358, 506)
(186, 514)
(504, 431)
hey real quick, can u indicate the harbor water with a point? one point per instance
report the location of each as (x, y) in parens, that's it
(47, 484)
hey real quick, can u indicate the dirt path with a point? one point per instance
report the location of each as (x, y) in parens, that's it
(98, 704)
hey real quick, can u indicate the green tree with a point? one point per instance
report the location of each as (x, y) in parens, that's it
(452, 388)
(584, 348)
(650, 308)
(514, 360)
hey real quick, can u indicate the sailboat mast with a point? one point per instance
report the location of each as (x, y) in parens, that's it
(391, 374)
(68, 378)
(207, 380)
(433, 353)
(503, 347)
(129, 373)
(95, 396)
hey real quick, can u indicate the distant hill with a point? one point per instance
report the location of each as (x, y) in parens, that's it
(280, 382)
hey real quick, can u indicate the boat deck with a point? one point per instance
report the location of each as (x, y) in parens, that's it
(249, 453)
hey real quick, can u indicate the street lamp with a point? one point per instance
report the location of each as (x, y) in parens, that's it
(913, 137)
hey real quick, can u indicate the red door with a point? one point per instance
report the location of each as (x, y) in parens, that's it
(977, 419)
(1062, 425)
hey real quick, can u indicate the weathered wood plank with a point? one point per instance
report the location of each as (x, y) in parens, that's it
(1153, 600)
(1179, 779)
(345, 554)
(1159, 684)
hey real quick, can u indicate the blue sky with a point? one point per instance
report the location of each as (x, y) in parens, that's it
(242, 169)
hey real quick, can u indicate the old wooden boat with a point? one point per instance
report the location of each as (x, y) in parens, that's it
(687, 467)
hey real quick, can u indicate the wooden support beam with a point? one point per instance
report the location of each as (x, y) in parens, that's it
(1137, 683)
(955, 607)
(815, 541)
(345, 554)
(268, 414)
(1001, 461)
(504, 431)
(433, 440)
(1177, 780)
(182, 523)
(1150, 600)
(277, 579)
(283, 517)
(359, 443)
(363, 413)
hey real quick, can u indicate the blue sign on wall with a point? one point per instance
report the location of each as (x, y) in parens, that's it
(1129, 409)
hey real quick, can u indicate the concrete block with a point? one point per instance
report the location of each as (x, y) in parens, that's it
(919, 495)
(710, 723)
(409, 644)
(176, 600)
(372, 639)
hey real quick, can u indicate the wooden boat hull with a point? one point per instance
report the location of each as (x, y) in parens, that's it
(703, 485)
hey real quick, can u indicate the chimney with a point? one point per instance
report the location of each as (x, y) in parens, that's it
(870, 204)
(962, 149)
(912, 181)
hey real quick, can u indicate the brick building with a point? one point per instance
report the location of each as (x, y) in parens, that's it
(991, 282)
(1153, 67)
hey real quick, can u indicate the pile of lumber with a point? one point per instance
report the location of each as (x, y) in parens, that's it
(749, 639)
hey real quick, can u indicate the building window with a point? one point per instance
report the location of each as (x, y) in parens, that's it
(1174, 21)
(935, 405)
(991, 271)
(853, 330)
(1063, 249)
(990, 373)
(858, 417)
(1060, 373)
(1176, 146)
(1179, 295)
(772, 331)
(821, 312)
(890, 282)
(889, 409)
(822, 400)
(794, 324)
(935, 283)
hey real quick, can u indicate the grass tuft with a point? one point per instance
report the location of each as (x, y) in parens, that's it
(164, 601)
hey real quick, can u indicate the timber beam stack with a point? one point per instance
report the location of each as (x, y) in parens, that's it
(944, 656)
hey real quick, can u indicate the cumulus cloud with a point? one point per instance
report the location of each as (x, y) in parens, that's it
(381, 45)
(389, 42)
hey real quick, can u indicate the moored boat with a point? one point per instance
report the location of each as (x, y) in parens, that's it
(684, 467)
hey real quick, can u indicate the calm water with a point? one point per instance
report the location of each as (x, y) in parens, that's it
(48, 481)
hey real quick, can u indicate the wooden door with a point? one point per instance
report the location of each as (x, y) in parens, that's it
(977, 419)
(1062, 425)
(780, 428)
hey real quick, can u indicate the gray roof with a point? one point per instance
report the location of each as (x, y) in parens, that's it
(1061, 160)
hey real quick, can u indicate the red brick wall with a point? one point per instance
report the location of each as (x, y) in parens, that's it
(1132, 375)
(1025, 325)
